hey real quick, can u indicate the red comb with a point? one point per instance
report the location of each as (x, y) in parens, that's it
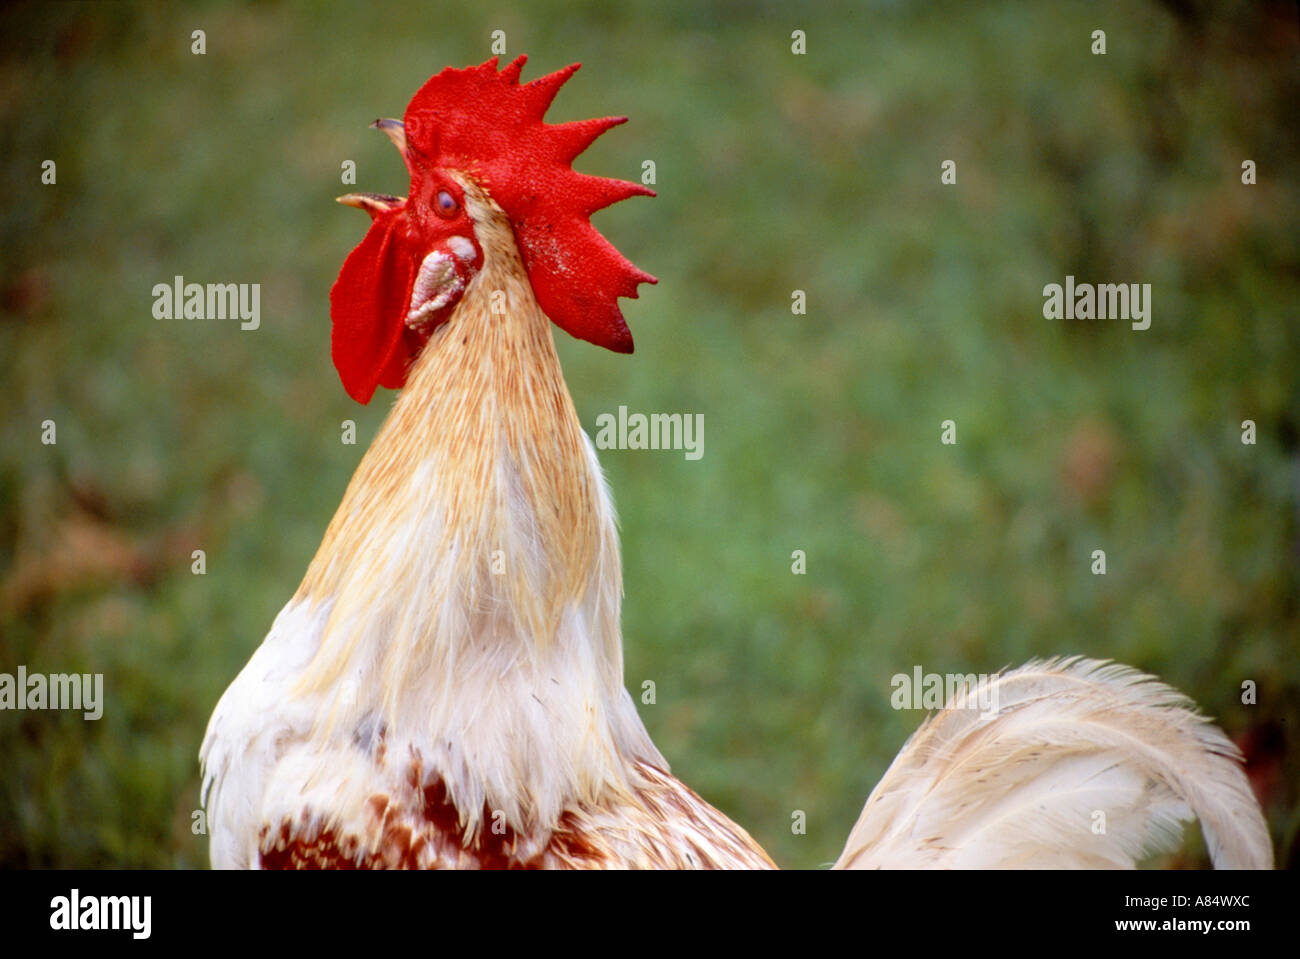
(482, 121)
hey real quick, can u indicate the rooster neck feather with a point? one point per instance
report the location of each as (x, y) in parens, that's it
(500, 454)
(473, 599)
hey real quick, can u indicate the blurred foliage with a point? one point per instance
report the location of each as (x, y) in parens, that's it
(775, 172)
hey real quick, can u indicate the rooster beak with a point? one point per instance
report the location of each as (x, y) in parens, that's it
(395, 130)
(376, 204)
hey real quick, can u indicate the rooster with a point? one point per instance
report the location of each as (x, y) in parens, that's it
(445, 689)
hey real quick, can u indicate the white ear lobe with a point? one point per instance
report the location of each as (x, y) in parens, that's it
(463, 249)
(436, 285)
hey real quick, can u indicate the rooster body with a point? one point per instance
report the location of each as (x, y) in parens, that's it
(478, 587)
(445, 689)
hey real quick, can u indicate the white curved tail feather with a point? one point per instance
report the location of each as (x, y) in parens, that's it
(1083, 764)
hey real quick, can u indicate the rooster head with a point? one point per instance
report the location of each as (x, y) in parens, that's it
(421, 252)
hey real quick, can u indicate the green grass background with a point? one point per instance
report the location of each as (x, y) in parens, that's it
(775, 172)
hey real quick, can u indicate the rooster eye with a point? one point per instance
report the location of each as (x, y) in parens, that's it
(445, 204)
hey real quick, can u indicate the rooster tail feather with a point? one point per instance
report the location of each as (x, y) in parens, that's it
(1080, 763)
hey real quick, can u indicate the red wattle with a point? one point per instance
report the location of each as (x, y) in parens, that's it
(368, 306)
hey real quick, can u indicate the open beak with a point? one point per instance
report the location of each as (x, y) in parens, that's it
(377, 204)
